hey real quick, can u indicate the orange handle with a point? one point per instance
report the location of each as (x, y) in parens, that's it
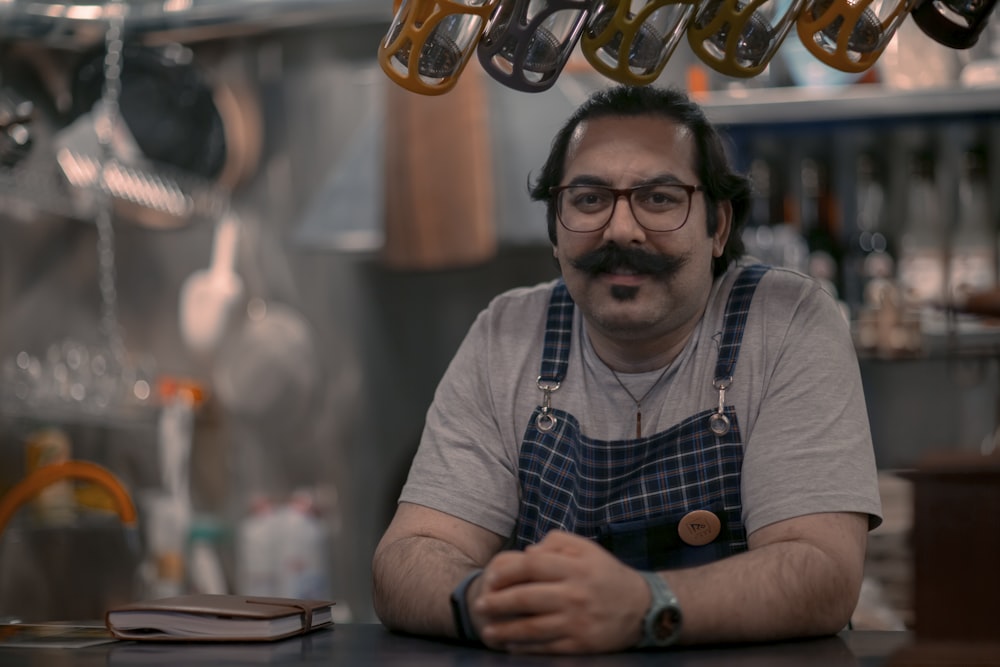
(42, 477)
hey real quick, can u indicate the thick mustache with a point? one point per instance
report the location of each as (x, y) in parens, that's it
(611, 257)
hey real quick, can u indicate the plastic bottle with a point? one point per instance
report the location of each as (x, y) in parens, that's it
(302, 559)
(302, 569)
(205, 571)
(256, 544)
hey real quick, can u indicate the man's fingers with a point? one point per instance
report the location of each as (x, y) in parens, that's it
(514, 568)
(519, 600)
(535, 629)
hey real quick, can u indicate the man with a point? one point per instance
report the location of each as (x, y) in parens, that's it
(668, 445)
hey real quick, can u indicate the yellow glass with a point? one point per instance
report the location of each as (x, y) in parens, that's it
(630, 41)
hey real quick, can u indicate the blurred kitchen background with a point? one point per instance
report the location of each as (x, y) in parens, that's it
(244, 335)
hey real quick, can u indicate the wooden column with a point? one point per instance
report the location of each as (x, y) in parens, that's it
(439, 206)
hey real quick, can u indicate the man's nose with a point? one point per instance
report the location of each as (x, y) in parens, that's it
(623, 228)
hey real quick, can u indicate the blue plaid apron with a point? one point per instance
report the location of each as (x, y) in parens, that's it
(630, 495)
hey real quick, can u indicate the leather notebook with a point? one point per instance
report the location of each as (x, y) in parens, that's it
(218, 618)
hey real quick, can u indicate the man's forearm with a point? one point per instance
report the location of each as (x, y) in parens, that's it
(412, 580)
(777, 591)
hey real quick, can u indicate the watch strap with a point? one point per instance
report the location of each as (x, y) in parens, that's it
(464, 627)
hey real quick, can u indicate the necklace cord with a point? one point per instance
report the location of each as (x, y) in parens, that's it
(638, 401)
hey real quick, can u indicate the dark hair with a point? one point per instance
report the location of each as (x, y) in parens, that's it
(721, 183)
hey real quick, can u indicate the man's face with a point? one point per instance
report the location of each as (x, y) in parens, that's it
(662, 293)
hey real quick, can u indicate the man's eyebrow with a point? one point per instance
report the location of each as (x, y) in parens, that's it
(589, 180)
(659, 179)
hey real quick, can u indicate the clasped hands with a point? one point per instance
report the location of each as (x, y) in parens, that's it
(565, 594)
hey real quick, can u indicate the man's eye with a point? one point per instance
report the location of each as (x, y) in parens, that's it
(660, 197)
(591, 199)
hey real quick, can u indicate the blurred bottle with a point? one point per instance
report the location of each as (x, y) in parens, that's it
(820, 225)
(256, 550)
(302, 550)
(761, 177)
(284, 551)
(973, 265)
(768, 236)
(868, 255)
(922, 250)
(205, 571)
(55, 504)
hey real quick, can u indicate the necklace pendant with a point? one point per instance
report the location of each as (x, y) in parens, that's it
(638, 423)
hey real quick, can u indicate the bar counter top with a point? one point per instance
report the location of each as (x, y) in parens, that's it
(365, 645)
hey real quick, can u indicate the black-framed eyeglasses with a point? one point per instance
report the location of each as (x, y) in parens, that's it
(657, 207)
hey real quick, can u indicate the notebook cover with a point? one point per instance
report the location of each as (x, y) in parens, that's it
(212, 606)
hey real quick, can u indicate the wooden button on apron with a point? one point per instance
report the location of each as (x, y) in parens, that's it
(699, 527)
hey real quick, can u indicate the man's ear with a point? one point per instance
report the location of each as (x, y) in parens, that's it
(724, 220)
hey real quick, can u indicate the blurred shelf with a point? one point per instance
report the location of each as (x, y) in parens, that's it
(846, 104)
(130, 417)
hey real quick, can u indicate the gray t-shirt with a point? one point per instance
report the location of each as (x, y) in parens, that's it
(796, 389)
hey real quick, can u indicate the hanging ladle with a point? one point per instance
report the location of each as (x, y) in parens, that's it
(208, 296)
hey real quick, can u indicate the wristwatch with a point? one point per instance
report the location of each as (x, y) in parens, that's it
(662, 624)
(464, 628)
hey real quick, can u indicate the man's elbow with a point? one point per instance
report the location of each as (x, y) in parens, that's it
(381, 587)
(841, 596)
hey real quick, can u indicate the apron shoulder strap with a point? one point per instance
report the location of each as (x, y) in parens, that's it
(734, 323)
(558, 335)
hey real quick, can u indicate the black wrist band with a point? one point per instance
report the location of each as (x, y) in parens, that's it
(460, 608)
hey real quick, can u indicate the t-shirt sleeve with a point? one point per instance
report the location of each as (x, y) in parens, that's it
(462, 466)
(809, 448)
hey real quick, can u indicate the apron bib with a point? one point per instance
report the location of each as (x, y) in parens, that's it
(643, 499)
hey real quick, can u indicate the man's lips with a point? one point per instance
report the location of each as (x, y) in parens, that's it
(623, 276)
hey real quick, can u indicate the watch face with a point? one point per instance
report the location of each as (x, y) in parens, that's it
(666, 624)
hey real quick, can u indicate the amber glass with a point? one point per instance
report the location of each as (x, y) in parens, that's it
(430, 42)
(630, 41)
